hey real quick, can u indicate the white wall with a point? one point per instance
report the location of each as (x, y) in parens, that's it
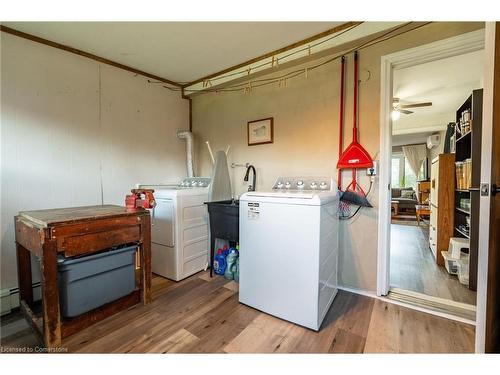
(409, 139)
(75, 132)
(306, 136)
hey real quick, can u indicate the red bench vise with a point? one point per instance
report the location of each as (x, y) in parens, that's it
(140, 198)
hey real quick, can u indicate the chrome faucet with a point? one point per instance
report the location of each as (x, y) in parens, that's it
(252, 186)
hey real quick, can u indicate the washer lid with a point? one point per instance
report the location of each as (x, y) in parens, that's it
(310, 198)
(170, 190)
(178, 191)
(283, 194)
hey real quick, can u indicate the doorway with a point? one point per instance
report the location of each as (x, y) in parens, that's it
(424, 89)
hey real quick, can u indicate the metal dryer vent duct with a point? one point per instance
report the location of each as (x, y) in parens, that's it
(188, 136)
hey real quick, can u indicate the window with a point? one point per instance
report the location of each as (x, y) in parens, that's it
(401, 173)
(410, 180)
(395, 172)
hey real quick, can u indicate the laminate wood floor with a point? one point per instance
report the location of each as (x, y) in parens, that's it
(413, 267)
(203, 315)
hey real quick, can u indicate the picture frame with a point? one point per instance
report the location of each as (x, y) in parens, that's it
(260, 132)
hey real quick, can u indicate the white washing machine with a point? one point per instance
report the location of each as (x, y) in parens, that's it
(179, 228)
(289, 246)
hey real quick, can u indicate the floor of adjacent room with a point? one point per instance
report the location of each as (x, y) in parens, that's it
(414, 268)
(203, 315)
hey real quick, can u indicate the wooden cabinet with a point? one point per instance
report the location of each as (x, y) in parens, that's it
(442, 200)
(74, 232)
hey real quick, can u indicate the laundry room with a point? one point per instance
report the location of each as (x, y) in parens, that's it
(153, 201)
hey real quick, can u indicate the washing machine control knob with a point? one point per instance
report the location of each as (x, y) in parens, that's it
(313, 185)
(288, 185)
(323, 185)
(279, 185)
(300, 184)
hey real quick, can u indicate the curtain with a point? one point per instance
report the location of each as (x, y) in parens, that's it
(415, 155)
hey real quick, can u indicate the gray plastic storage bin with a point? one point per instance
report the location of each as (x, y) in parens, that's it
(91, 281)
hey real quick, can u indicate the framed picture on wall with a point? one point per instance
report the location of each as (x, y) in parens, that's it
(260, 131)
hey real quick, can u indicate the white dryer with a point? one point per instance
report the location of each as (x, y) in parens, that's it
(179, 228)
(289, 247)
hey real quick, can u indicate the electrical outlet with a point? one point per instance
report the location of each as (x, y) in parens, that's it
(373, 170)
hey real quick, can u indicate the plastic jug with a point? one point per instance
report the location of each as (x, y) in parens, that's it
(220, 262)
(230, 262)
(236, 271)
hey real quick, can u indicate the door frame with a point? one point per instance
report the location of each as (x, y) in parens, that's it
(449, 47)
(485, 201)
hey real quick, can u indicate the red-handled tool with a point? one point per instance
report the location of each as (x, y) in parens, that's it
(355, 156)
(341, 119)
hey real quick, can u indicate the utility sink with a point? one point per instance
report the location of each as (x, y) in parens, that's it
(229, 202)
(224, 219)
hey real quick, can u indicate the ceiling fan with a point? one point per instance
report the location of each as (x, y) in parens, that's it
(403, 108)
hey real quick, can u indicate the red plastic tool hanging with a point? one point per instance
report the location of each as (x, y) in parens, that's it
(355, 156)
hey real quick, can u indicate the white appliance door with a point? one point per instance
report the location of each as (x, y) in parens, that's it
(163, 223)
(279, 260)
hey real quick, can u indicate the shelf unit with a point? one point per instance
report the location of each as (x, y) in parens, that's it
(467, 212)
(463, 233)
(465, 136)
(469, 146)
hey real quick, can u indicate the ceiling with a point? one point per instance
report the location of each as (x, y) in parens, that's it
(178, 51)
(446, 83)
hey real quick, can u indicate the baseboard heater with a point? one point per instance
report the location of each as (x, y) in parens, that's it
(10, 298)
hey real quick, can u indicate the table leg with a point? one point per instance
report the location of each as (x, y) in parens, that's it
(146, 259)
(418, 218)
(212, 249)
(50, 295)
(24, 275)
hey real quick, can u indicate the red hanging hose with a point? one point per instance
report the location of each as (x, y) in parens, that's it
(355, 156)
(355, 106)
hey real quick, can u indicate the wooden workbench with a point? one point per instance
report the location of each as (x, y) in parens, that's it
(74, 232)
